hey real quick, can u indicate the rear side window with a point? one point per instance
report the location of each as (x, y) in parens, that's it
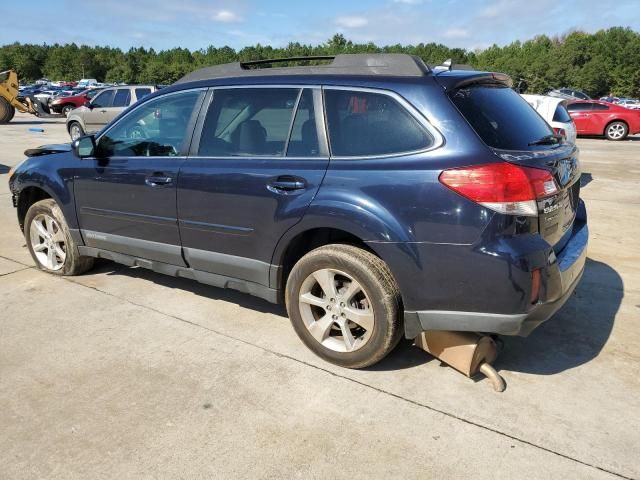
(122, 97)
(142, 92)
(561, 114)
(371, 124)
(578, 107)
(599, 106)
(501, 117)
(248, 122)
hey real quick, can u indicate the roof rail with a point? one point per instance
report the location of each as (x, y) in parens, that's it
(270, 61)
(385, 64)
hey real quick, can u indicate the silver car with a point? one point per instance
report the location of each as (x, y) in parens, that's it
(104, 107)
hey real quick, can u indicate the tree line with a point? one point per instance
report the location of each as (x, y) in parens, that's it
(600, 63)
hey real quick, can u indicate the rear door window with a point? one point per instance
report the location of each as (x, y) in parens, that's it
(303, 141)
(371, 124)
(501, 117)
(122, 97)
(248, 122)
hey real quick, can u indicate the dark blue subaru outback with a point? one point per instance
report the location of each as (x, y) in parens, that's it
(374, 195)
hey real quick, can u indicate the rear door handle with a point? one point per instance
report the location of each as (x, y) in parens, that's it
(157, 180)
(287, 184)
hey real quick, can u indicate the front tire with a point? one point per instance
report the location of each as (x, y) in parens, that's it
(66, 110)
(75, 130)
(50, 243)
(7, 111)
(344, 305)
(616, 131)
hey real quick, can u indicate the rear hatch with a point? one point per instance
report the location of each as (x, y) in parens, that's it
(516, 133)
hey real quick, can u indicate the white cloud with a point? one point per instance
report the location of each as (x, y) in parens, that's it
(408, 2)
(225, 16)
(457, 33)
(351, 22)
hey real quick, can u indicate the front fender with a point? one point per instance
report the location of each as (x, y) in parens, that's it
(51, 174)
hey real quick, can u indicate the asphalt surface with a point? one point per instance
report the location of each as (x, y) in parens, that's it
(125, 373)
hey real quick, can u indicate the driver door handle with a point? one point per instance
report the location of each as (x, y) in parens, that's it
(157, 180)
(287, 183)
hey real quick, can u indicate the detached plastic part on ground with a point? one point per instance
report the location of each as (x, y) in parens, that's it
(467, 352)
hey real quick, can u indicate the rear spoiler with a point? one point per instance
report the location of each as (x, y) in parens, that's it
(450, 80)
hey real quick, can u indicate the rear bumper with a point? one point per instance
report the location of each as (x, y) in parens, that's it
(561, 276)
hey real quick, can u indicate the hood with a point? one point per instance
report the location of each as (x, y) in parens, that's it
(48, 150)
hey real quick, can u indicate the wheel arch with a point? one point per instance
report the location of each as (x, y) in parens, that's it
(614, 120)
(28, 196)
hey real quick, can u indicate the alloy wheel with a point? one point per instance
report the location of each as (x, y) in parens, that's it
(48, 242)
(336, 310)
(76, 133)
(616, 131)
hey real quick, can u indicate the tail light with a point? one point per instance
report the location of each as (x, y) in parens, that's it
(503, 187)
(560, 131)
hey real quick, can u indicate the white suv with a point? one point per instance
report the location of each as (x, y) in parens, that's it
(554, 111)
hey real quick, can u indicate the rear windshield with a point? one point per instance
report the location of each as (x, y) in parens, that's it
(561, 115)
(501, 117)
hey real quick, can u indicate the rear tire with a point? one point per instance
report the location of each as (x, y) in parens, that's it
(344, 305)
(50, 243)
(75, 130)
(7, 111)
(616, 131)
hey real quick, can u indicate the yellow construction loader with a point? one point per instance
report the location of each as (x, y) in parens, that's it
(9, 101)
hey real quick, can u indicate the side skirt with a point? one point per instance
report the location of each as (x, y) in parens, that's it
(269, 294)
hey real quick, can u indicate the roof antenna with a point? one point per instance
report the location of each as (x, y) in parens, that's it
(447, 63)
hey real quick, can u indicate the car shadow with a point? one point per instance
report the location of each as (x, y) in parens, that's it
(52, 121)
(573, 337)
(3, 169)
(206, 291)
(576, 334)
(585, 179)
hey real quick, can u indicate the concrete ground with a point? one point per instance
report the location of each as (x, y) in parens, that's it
(124, 373)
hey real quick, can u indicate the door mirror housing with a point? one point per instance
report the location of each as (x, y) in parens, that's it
(84, 146)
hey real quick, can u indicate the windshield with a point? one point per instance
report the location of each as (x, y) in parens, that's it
(501, 117)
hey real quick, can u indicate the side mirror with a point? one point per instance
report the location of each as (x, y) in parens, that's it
(84, 147)
(90, 105)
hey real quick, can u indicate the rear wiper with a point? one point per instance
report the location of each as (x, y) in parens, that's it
(547, 140)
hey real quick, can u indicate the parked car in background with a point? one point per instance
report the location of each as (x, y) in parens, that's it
(86, 82)
(569, 94)
(47, 96)
(631, 103)
(602, 118)
(64, 105)
(377, 197)
(104, 107)
(554, 111)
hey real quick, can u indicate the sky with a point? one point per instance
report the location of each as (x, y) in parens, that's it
(195, 24)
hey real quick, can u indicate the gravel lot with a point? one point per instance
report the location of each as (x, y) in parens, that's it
(124, 373)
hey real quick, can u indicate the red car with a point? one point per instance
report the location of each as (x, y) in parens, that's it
(65, 104)
(594, 117)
